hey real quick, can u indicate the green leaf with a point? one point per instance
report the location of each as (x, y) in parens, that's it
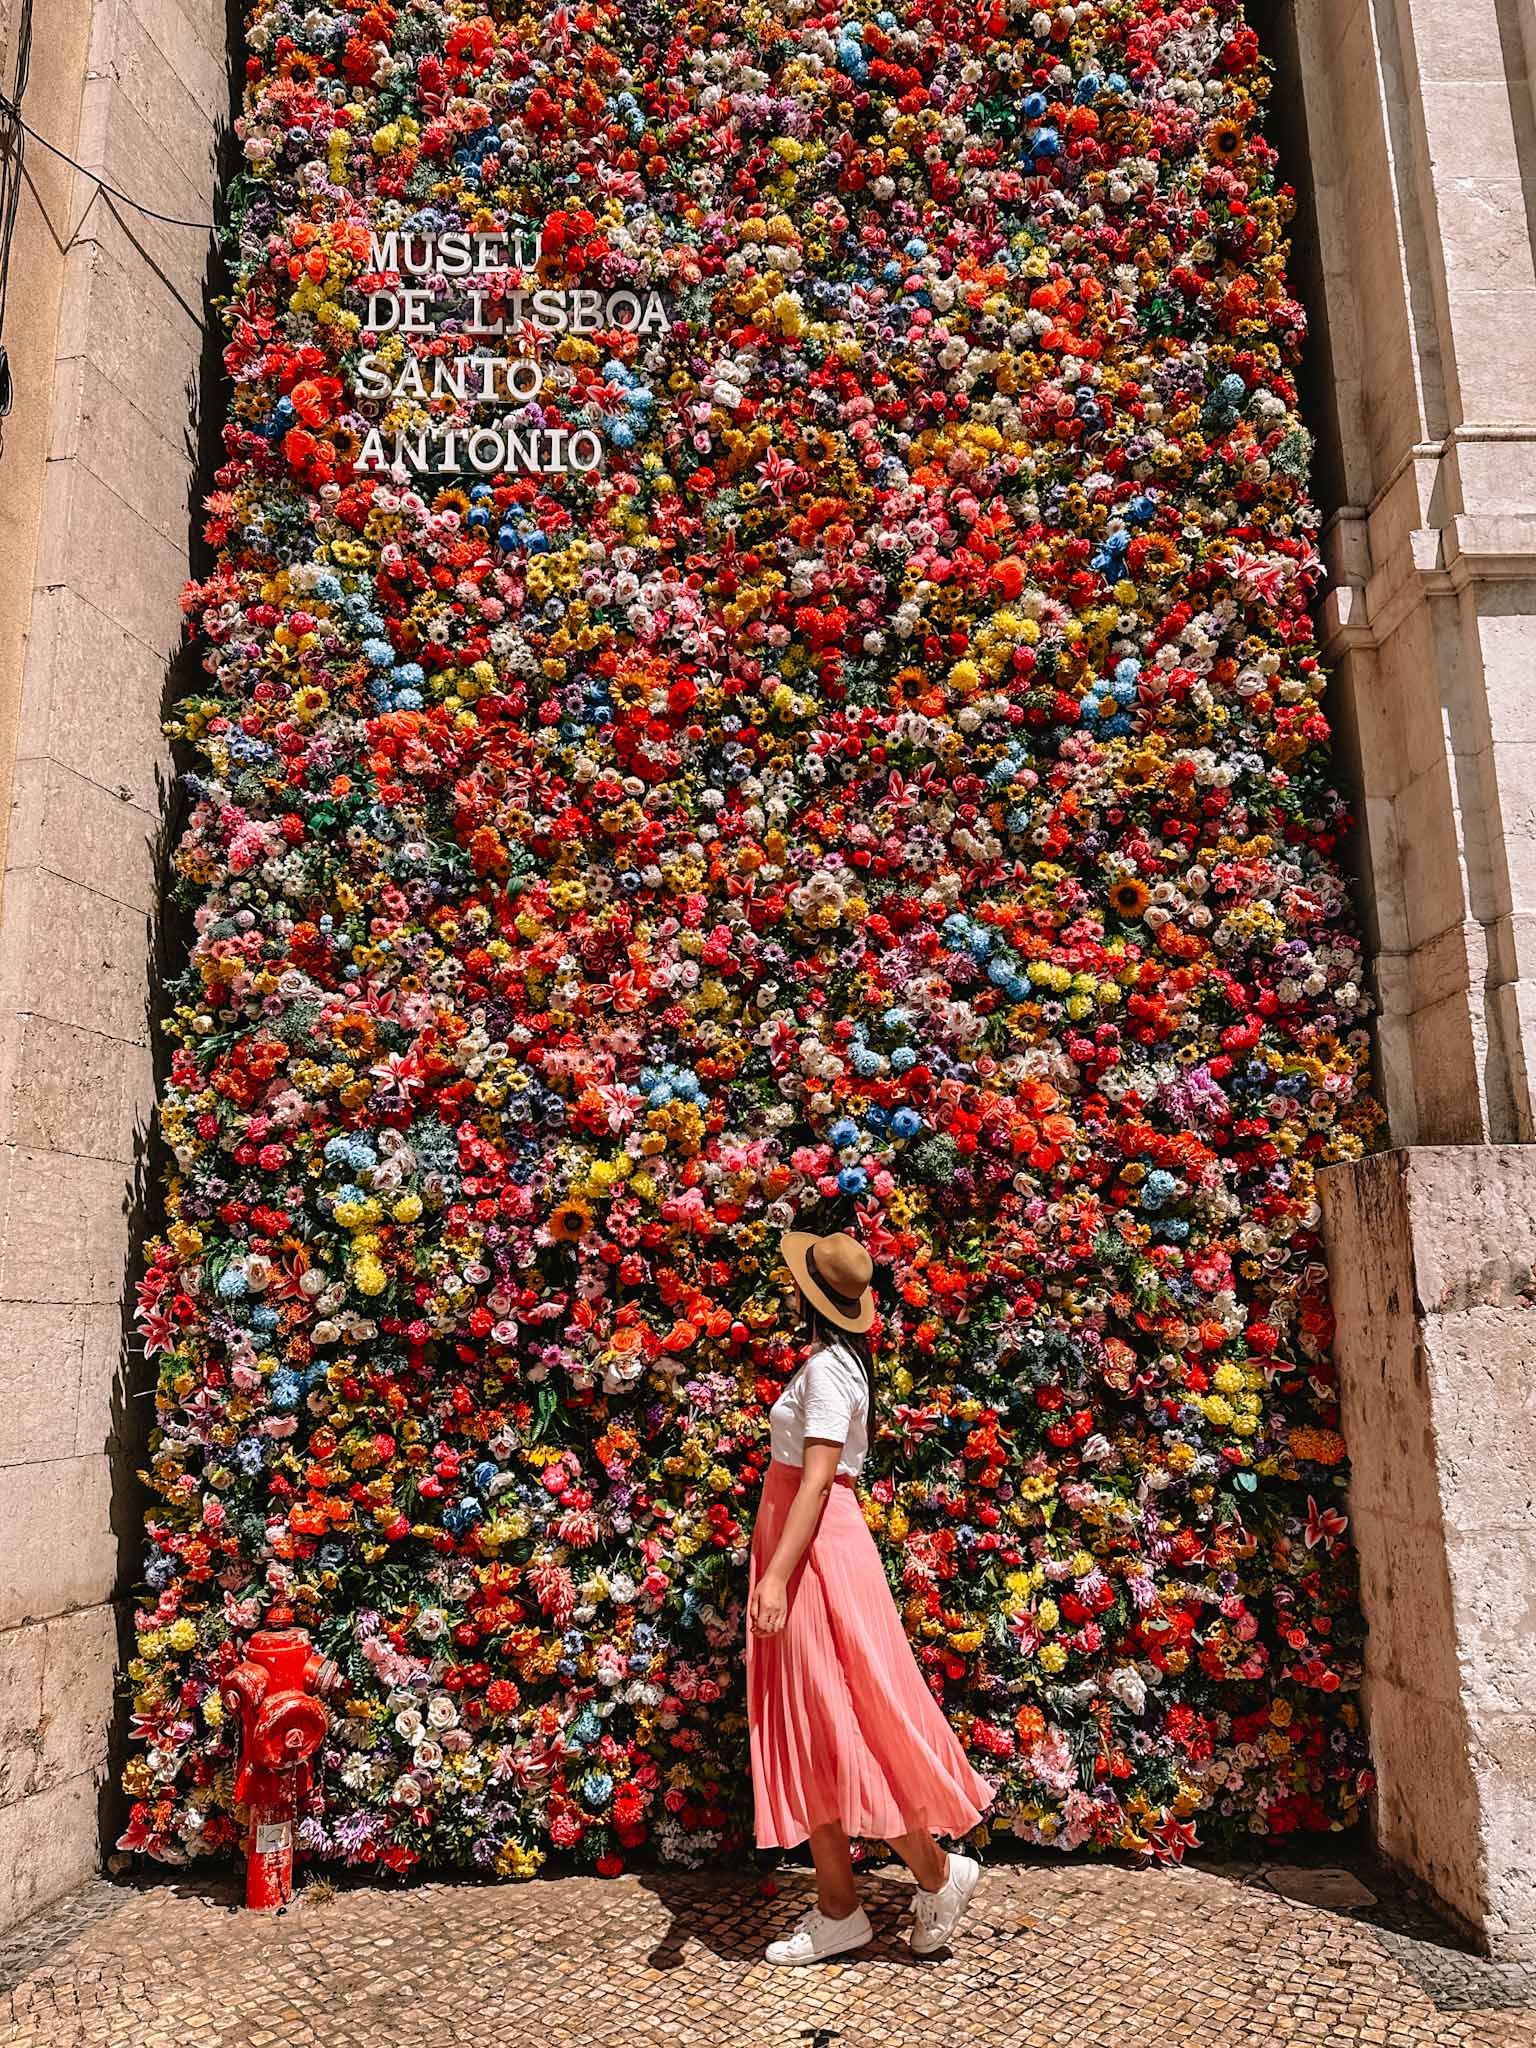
(544, 1410)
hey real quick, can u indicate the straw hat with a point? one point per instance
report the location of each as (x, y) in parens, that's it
(834, 1274)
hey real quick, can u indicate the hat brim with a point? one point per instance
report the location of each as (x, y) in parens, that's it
(797, 1246)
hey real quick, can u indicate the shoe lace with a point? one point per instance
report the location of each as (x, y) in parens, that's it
(928, 1907)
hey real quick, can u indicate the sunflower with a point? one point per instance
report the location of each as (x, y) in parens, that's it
(354, 1030)
(1129, 898)
(1224, 139)
(569, 1221)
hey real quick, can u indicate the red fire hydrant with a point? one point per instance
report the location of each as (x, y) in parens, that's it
(279, 1692)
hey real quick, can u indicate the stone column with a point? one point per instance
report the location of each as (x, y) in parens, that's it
(97, 504)
(1417, 130)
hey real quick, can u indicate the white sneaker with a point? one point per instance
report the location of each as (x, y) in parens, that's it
(939, 1913)
(817, 1936)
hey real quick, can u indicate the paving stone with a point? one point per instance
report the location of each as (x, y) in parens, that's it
(1054, 1953)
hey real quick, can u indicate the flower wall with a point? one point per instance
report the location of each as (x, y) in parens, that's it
(890, 789)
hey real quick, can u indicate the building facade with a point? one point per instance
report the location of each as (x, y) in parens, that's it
(1409, 128)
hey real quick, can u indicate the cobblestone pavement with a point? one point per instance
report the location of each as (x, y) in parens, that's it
(1054, 1952)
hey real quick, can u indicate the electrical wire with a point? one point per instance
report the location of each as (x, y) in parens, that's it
(12, 108)
(12, 164)
(14, 130)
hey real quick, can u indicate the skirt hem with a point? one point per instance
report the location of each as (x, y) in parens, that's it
(858, 1832)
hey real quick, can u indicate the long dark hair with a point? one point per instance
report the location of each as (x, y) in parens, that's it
(819, 1329)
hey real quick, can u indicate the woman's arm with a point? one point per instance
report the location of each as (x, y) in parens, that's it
(818, 1475)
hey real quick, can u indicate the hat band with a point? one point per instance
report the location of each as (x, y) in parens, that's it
(848, 1304)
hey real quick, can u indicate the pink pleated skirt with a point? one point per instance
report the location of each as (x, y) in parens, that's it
(843, 1727)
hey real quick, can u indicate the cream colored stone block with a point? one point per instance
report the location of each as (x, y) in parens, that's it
(74, 955)
(1415, 659)
(1384, 912)
(1518, 936)
(92, 539)
(42, 1356)
(113, 1379)
(1457, 39)
(146, 342)
(172, 22)
(65, 1230)
(1432, 879)
(1506, 624)
(24, 830)
(162, 46)
(1380, 724)
(57, 1547)
(56, 1700)
(1445, 967)
(76, 1091)
(64, 413)
(1407, 498)
(1512, 1016)
(76, 829)
(1473, 1212)
(1395, 1079)
(1510, 767)
(1471, 136)
(1482, 218)
(156, 114)
(79, 1685)
(21, 1710)
(1505, 1761)
(1497, 476)
(19, 892)
(48, 1845)
(1449, 1059)
(1329, 27)
(126, 753)
(1493, 1583)
(1426, 1812)
(128, 150)
(1495, 374)
(120, 442)
(1412, 1639)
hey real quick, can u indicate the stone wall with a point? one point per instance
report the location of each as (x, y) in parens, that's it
(106, 334)
(1413, 131)
(1414, 127)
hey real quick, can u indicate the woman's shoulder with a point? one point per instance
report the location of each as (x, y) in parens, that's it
(838, 1359)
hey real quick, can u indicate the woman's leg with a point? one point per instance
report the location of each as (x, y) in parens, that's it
(923, 1857)
(836, 1893)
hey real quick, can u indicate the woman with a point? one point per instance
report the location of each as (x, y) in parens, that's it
(846, 1737)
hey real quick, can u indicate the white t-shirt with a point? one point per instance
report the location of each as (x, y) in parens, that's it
(828, 1397)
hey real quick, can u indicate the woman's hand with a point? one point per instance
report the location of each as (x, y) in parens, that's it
(770, 1599)
(770, 1605)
